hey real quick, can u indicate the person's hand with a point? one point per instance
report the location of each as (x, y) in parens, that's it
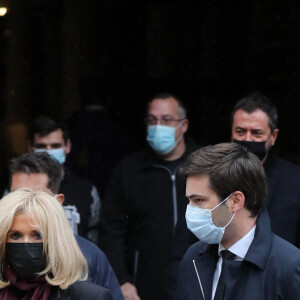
(129, 291)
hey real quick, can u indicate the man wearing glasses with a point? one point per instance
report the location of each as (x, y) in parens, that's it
(143, 217)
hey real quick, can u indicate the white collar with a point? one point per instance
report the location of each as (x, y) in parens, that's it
(240, 248)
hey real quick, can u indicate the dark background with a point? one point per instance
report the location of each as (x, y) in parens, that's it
(58, 55)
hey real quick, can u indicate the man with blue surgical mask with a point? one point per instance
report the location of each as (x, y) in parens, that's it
(144, 232)
(82, 201)
(237, 255)
(166, 125)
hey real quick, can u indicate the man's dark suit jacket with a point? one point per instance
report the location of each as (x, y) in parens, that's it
(269, 271)
(283, 198)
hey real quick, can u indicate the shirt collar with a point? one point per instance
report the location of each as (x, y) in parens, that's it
(240, 248)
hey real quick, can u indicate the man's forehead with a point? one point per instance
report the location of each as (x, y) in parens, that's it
(257, 117)
(37, 181)
(168, 106)
(51, 138)
(198, 182)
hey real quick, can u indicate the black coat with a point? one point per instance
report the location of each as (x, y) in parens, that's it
(283, 199)
(81, 290)
(138, 232)
(269, 271)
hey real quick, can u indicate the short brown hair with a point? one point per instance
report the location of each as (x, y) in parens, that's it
(43, 126)
(230, 168)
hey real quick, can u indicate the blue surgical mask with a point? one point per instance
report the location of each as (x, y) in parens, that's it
(59, 154)
(162, 138)
(199, 222)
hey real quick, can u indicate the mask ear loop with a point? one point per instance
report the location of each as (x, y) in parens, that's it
(229, 220)
(181, 136)
(222, 203)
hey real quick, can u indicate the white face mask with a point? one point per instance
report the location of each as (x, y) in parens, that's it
(199, 222)
(59, 154)
(162, 138)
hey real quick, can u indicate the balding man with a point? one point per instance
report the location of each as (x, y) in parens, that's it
(143, 211)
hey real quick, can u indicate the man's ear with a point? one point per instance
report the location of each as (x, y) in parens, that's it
(68, 146)
(185, 125)
(238, 201)
(274, 136)
(60, 198)
(29, 146)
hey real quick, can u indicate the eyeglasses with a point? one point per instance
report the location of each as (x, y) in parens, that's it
(164, 120)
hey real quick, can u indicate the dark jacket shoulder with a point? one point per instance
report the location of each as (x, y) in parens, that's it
(195, 249)
(71, 178)
(146, 157)
(283, 198)
(81, 290)
(280, 166)
(100, 270)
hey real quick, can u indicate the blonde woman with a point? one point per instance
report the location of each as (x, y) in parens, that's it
(39, 256)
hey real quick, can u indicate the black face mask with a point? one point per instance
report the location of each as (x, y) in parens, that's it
(26, 259)
(257, 148)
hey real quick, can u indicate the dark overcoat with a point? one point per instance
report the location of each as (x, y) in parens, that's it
(81, 290)
(269, 271)
(283, 198)
(143, 202)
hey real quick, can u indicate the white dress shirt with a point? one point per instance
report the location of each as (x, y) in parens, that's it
(239, 249)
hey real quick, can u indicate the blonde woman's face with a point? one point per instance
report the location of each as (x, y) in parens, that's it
(24, 230)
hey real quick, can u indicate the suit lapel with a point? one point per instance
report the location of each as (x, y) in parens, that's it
(206, 265)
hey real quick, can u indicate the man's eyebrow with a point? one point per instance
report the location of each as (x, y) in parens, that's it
(162, 116)
(194, 195)
(243, 128)
(167, 115)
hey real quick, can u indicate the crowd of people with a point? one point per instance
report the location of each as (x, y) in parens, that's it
(177, 220)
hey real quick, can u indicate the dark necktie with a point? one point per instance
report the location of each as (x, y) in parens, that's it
(220, 291)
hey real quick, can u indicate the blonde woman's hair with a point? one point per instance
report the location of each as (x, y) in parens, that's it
(65, 262)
